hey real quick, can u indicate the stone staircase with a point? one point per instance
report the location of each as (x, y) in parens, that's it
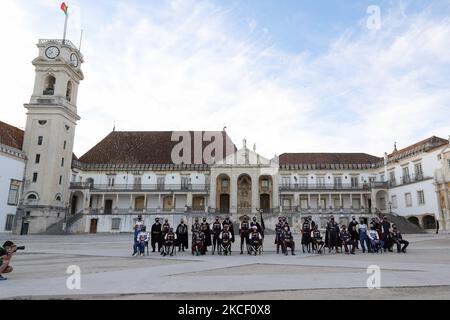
(405, 226)
(57, 228)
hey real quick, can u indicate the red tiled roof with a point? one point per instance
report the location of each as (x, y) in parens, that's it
(153, 147)
(327, 158)
(422, 146)
(11, 136)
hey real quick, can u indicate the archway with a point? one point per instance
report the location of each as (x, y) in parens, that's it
(244, 192)
(414, 220)
(429, 222)
(49, 86)
(76, 202)
(381, 200)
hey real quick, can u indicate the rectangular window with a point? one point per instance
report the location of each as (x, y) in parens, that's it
(111, 181)
(392, 179)
(287, 203)
(337, 182)
(13, 196)
(304, 203)
(115, 224)
(304, 182)
(408, 199)
(372, 179)
(406, 178)
(65, 145)
(382, 178)
(40, 140)
(394, 202)
(320, 182)
(38, 158)
(418, 171)
(9, 222)
(337, 203)
(286, 181)
(355, 182)
(62, 162)
(60, 180)
(421, 197)
(161, 182)
(35, 177)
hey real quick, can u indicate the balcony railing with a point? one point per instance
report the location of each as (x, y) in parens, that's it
(138, 187)
(290, 209)
(328, 187)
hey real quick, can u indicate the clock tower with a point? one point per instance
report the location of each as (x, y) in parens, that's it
(49, 136)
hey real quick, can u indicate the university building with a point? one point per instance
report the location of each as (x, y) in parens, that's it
(45, 188)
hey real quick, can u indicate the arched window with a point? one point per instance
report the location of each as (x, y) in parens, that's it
(69, 91)
(32, 196)
(49, 86)
(58, 197)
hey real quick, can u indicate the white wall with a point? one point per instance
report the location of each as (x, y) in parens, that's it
(11, 168)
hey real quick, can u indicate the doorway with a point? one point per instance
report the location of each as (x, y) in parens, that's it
(224, 203)
(139, 203)
(264, 202)
(93, 227)
(108, 206)
(73, 209)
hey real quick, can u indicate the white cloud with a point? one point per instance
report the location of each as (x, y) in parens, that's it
(186, 66)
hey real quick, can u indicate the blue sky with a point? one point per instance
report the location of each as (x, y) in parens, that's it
(290, 76)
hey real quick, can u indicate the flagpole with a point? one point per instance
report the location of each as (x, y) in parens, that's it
(65, 28)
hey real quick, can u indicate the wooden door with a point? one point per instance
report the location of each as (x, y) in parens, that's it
(225, 203)
(264, 202)
(139, 203)
(93, 227)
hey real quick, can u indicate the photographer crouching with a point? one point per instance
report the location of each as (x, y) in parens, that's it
(6, 252)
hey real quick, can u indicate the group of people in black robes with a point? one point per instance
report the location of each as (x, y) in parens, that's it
(379, 236)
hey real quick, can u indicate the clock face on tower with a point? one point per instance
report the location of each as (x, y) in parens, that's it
(52, 52)
(75, 61)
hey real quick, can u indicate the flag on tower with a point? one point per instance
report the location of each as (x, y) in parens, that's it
(65, 8)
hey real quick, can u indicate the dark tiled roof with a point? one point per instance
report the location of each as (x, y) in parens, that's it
(422, 146)
(11, 136)
(138, 148)
(328, 159)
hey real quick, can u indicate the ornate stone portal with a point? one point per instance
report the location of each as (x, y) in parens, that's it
(244, 192)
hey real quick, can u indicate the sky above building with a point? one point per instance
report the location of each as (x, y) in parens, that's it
(289, 76)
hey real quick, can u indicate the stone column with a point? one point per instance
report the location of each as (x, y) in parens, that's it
(255, 192)
(275, 192)
(233, 193)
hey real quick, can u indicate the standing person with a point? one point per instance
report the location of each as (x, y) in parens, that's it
(216, 230)
(229, 223)
(255, 223)
(165, 228)
(207, 231)
(333, 235)
(363, 238)
(437, 226)
(196, 226)
(156, 233)
(182, 236)
(142, 240)
(244, 231)
(137, 229)
(386, 234)
(353, 229)
(306, 235)
(6, 253)
(278, 231)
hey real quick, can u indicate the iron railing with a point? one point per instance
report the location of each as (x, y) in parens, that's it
(328, 187)
(139, 187)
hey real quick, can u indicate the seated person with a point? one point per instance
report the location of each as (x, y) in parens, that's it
(170, 241)
(225, 237)
(198, 243)
(317, 240)
(375, 243)
(6, 252)
(255, 239)
(288, 241)
(397, 239)
(346, 240)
